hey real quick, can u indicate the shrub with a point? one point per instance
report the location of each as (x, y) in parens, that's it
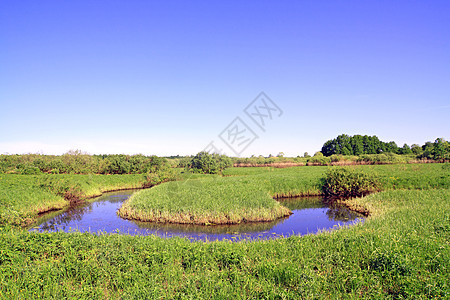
(319, 159)
(207, 163)
(347, 182)
(30, 170)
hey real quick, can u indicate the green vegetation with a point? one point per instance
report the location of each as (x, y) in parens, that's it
(359, 145)
(300, 180)
(207, 201)
(207, 163)
(399, 252)
(77, 162)
(349, 182)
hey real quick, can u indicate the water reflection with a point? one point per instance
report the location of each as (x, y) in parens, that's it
(310, 215)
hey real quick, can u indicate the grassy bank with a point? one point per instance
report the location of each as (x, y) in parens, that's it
(24, 197)
(402, 251)
(210, 200)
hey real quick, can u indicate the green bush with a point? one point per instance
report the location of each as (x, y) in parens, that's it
(319, 159)
(207, 163)
(30, 170)
(348, 182)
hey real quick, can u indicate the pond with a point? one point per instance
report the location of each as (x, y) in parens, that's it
(310, 215)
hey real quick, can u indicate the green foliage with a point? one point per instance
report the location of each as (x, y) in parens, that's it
(207, 163)
(441, 149)
(30, 170)
(348, 182)
(358, 144)
(319, 159)
(416, 149)
(78, 162)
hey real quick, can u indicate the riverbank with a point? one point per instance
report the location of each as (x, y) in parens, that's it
(24, 197)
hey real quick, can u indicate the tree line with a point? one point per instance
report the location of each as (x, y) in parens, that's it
(359, 145)
(78, 162)
(357, 148)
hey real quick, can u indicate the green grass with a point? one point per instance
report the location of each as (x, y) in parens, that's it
(23, 197)
(304, 180)
(402, 251)
(211, 200)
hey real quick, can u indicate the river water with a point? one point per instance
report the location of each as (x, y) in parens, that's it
(310, 215)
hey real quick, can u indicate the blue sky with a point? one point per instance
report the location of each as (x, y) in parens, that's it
(167, 77)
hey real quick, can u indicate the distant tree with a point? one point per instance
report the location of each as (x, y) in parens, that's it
(357, 145)
(440, 149)
(306, 155)
(207, 163)
(405, 149)
(416, 149)
(427, 149)
(391, 147)
(280, 154)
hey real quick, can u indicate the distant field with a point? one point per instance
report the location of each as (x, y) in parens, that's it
(398, 176)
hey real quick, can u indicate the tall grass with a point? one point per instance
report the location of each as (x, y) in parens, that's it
(203, 201)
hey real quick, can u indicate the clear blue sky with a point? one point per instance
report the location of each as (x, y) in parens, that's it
(167, 77)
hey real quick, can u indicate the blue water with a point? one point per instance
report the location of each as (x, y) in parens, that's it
(310, 215)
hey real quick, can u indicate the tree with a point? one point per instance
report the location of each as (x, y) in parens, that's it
(405, 149)
(306, 155)
(357, 145)
(440, 149)
(391, 147)
(207, 163)
(427, 150)
(416, 149)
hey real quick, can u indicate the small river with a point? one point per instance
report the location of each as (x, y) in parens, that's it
(310, 215)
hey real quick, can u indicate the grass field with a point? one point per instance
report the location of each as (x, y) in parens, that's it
(401, 251)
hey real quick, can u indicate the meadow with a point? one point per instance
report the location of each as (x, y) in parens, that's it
(402, 250)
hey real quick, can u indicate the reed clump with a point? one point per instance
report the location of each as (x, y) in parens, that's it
(206, 201)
